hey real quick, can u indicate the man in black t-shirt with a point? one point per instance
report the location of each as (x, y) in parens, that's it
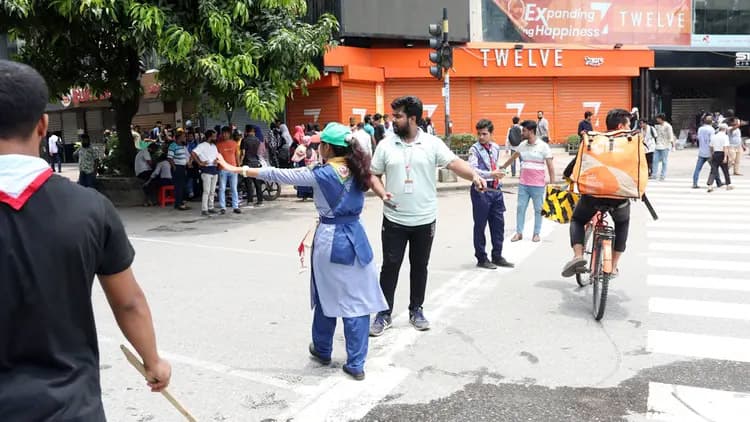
(379, 128)
(251, 146)
(55, 236)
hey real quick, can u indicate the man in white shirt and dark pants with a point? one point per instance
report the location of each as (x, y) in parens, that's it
(408, 161)
(720, 158)
(55, 155)
(206, 155)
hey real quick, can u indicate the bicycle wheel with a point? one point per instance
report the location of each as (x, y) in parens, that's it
(271, 191)
(584, 278)
(600, 281)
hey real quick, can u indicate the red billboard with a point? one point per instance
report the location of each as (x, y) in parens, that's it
(643, 22)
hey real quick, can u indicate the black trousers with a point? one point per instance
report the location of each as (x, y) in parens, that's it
(180, 180)
(253, 185)
(717, 161)
(584, 212)
(650, 162)
(395, 238)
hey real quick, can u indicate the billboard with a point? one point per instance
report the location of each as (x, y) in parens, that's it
(644, 22)
(402, 19)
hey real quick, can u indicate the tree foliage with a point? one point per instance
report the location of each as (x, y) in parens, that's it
(252, 53)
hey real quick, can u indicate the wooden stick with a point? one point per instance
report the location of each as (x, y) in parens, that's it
(139, 366)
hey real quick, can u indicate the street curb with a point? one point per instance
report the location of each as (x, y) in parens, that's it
(447, 187)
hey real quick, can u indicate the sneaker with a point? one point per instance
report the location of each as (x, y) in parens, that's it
(487, 265)
(258, 204)
(237, 211)
(502, 262)
(359, 376)
(222, 211)
(417, 319)
(204, 213)
(573, 267)
(710, 188)
(696, 187)
(317, 356)
(212, 211)
(382, 322)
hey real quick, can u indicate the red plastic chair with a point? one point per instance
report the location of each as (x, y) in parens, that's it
(166, 195)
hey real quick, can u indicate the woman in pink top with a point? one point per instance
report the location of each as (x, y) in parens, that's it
(536, 158)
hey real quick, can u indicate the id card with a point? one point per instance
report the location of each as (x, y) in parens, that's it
(408, 186)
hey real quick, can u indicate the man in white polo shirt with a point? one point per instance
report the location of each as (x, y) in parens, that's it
(409, 161)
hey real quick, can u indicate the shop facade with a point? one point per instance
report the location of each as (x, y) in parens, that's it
(496, 81)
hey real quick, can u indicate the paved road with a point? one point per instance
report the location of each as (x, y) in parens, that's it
(231, 310)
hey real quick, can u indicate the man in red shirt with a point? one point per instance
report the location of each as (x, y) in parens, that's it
(231, 153)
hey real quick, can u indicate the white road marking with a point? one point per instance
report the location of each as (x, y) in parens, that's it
(680, 403)
(692, 224)
(704, 209)
(698, 345)
(338, 398)
(684, 215)
(700, 308)
(216, 248)
(701, 248)
(688, 235)
(213, 366)
(707, 283)
(689, 191)
(699, 264)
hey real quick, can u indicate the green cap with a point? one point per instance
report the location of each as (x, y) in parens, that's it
(336, 134)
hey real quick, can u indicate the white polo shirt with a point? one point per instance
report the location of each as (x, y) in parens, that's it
(416, 162)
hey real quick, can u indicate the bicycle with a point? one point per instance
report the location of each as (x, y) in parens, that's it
(600, 237)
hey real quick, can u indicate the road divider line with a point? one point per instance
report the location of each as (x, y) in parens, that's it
(699, 264)
(338, 398)
(681, 403)
(698, 345)
(689, 235)
(216, 248)
(214, 367)
(706, 283)
(701, 308)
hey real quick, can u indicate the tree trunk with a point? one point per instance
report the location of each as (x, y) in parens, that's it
(125, 109)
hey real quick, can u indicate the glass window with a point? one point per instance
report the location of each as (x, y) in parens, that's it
(721, 17)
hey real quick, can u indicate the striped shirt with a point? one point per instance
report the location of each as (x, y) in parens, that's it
(533, 165)
(178, 153)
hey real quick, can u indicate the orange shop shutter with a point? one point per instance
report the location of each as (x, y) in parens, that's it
(321, 106)
(577, 95)
(501, 99)
(359, 100)
(430, 91)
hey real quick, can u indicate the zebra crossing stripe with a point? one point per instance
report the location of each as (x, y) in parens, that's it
(707, 283)
(703, 225)
(698, 345)
(702, 248)
(699, 264)
(701, 308)
(689, 235)
(681, 403)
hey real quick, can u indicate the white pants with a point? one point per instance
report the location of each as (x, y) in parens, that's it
(209, 189)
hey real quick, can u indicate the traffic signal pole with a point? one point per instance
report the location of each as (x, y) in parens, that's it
(442, 57)
(447, 81)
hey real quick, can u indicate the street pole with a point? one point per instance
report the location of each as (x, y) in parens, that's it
(446, 81)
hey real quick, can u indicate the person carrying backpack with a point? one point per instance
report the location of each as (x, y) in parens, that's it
(515, 137)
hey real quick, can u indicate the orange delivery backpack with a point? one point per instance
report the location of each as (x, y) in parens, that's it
(611, 165)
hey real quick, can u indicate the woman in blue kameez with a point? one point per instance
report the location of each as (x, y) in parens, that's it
(344, 280)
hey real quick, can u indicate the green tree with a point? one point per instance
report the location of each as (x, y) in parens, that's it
(250, 53)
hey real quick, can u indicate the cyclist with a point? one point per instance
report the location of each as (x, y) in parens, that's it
(617, 119)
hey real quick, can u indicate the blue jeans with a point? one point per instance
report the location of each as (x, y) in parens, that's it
(660, 156)
(488, 207)
(698, 167)
(536, 195)
(223, 189)
(356, 335)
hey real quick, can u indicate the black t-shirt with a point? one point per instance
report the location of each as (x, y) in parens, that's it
(250, 146)
(50, 252)
(379, 133)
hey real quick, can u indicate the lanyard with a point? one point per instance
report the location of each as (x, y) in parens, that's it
(407, 161)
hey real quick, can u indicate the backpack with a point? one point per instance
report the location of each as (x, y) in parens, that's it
(514, 136)
(611, 165)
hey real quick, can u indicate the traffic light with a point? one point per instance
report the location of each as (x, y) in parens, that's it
(442, 56)
(436, 44)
